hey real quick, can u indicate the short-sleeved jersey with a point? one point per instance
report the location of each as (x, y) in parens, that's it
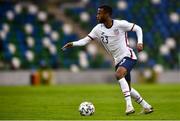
(114, 39)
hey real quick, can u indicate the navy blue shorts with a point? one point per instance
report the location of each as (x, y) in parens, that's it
(127, 63)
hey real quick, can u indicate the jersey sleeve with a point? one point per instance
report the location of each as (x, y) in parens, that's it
(126, 26)
(93, 34)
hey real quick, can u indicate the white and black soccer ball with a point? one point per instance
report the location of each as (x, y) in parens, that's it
(86, 109)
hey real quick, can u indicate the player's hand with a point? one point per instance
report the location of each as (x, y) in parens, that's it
(68, 45)
(139, 47)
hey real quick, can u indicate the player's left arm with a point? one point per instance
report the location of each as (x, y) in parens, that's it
(127, 26)
(139, 34)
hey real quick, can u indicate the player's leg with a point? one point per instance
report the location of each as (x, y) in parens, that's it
(135, 94)
(120, 74)
(147, 108)
(128, 79)
(128, 64)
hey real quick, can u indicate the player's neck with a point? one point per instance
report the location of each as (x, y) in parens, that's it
(108, 23)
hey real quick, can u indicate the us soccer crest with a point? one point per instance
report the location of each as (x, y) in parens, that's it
(116, 31)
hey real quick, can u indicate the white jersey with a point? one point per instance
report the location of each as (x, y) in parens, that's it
(114, 39)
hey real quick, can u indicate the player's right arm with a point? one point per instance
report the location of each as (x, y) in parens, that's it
(91, 36)
(80, 42)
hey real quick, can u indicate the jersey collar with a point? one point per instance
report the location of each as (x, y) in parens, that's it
(110, 26)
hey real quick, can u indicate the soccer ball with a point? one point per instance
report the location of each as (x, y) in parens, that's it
(86, 109)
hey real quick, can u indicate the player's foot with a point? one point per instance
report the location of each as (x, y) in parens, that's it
(129, 110)
(147, 110)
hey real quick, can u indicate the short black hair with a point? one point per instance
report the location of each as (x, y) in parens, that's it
(106, 8)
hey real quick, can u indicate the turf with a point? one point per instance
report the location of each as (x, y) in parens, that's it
(62, 102)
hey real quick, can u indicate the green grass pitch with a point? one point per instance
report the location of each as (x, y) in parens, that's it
(62, 102)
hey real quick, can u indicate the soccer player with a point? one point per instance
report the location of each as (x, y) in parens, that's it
(113, 36)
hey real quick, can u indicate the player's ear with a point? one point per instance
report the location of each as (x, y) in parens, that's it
(107, 14)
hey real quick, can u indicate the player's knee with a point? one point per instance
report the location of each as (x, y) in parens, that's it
(118, 76)
(120, 73)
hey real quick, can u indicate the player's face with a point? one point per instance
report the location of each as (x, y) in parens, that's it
(101, 15)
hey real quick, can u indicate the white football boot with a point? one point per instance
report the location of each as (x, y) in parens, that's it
(147, 110)
(129, 110)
